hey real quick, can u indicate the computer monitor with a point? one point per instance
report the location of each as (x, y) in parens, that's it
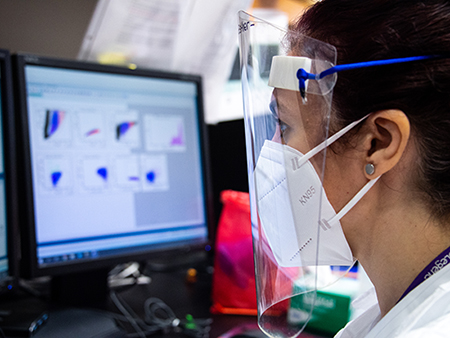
(8, 197)
(114, 165)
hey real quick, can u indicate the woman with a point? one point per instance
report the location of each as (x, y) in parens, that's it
(402, 225)
(398, 143)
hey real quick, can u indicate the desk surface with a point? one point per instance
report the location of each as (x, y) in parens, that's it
(171, 287)
(183, 298)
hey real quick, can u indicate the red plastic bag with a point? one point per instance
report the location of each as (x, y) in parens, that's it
(233, 289)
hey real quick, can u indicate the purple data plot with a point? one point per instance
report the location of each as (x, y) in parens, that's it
(103, 172)
(92, 132)
(123, 128)
(53, 120)
(55, 177)
(178, 139)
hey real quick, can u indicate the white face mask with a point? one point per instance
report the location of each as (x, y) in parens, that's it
(291, 200)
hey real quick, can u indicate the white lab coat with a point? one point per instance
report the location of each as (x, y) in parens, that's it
(424, 312)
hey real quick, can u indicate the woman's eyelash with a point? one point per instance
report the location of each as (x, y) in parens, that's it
(274, 110)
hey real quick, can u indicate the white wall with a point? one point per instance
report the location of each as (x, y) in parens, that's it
(45, 27)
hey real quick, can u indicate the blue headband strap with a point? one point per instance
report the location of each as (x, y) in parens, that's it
(303, 75)
(349, 66)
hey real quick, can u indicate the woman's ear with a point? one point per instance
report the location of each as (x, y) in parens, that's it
(387, 135)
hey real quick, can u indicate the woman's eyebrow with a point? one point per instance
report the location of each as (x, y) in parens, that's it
(283, 101)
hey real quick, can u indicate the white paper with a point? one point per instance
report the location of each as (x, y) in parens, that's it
(134, 31)
(189, 36)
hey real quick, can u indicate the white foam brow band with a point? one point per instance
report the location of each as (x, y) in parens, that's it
(283, 71)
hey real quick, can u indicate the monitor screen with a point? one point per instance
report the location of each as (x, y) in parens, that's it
(114, 163)
(8, 220)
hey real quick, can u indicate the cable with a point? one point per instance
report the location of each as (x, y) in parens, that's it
(156, 311)
(166, 316)
(127, 275)
(125, 319)
(29, 286)
(160, 317)
(126, 313)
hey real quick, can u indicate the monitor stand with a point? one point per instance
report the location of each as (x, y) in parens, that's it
(76, 299)
(165, 263)
(86, 289)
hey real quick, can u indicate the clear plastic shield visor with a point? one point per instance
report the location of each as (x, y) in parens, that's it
(297, 248)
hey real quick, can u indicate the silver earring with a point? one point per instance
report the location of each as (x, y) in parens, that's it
(370, 169)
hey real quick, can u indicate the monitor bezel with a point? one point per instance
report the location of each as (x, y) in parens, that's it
(29, 265)
(10, 172)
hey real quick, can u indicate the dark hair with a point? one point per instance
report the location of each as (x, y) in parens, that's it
(384, 29)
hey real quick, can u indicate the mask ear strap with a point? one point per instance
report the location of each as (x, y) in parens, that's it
(353, 201)
(317, 149)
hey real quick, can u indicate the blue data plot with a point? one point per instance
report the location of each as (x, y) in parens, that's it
(155, 176)
(103, 172)
(56, 176)
(151, 176)
(123, 128)
(53, 121)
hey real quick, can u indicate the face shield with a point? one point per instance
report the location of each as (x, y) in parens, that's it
(298, 244)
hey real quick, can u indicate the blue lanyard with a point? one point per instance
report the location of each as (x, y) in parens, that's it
(436, 264)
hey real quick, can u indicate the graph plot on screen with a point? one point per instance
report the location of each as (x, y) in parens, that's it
(91, 127)
(126, 128)
(95, 173)
(55, 174)
(103, 173)
(53, 126)
(92, 132)
(154, 169)
(123, 128)
(127, 172)
(164, 132)
(53, 122)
